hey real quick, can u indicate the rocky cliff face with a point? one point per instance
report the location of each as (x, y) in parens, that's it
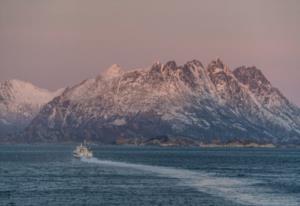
(19, 104)
(212, 104)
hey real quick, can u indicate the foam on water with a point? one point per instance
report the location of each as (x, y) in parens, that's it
(243, 191)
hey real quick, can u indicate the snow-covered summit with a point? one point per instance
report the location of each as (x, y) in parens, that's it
(24, 92)
(20, 101)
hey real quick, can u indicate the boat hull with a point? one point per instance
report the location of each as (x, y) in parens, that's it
(82, 151)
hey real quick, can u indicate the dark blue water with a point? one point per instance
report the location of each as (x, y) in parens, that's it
(49, 175)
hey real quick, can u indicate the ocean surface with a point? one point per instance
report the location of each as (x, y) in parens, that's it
(128, 176)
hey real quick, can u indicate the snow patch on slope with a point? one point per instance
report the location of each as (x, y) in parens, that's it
(119, 122)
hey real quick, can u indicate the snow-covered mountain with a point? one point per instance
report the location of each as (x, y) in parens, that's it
(207, 104)
(19, 103)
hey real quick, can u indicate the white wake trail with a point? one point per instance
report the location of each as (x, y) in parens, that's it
(241, 191)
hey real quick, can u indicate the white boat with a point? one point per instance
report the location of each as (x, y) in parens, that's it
(82, 151)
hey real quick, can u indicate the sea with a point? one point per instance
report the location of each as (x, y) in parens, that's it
(143, 175)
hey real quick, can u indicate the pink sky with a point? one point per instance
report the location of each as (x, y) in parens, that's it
(56, 43)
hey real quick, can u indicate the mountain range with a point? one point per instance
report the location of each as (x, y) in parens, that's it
(206, 104)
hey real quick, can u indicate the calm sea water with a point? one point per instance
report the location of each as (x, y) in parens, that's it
(118, 175)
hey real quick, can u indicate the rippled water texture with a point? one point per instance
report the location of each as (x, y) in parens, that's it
(49, 175)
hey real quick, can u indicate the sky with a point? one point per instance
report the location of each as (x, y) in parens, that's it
(58, 43)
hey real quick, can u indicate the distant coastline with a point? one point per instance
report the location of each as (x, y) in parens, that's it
(159, 141)
(182, 142)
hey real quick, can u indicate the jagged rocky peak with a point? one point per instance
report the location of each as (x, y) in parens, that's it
(217, 66)
(260, 86)
(251, 76)
(173, 66)
(169, 68)
(217, 63)
(189, 73)
(195, 62)
(194, 68)
(156, 67)
(219, 73)
(166, 69)
(170, 65)
(113, 71)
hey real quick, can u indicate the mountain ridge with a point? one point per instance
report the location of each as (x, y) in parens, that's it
(207, 104)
